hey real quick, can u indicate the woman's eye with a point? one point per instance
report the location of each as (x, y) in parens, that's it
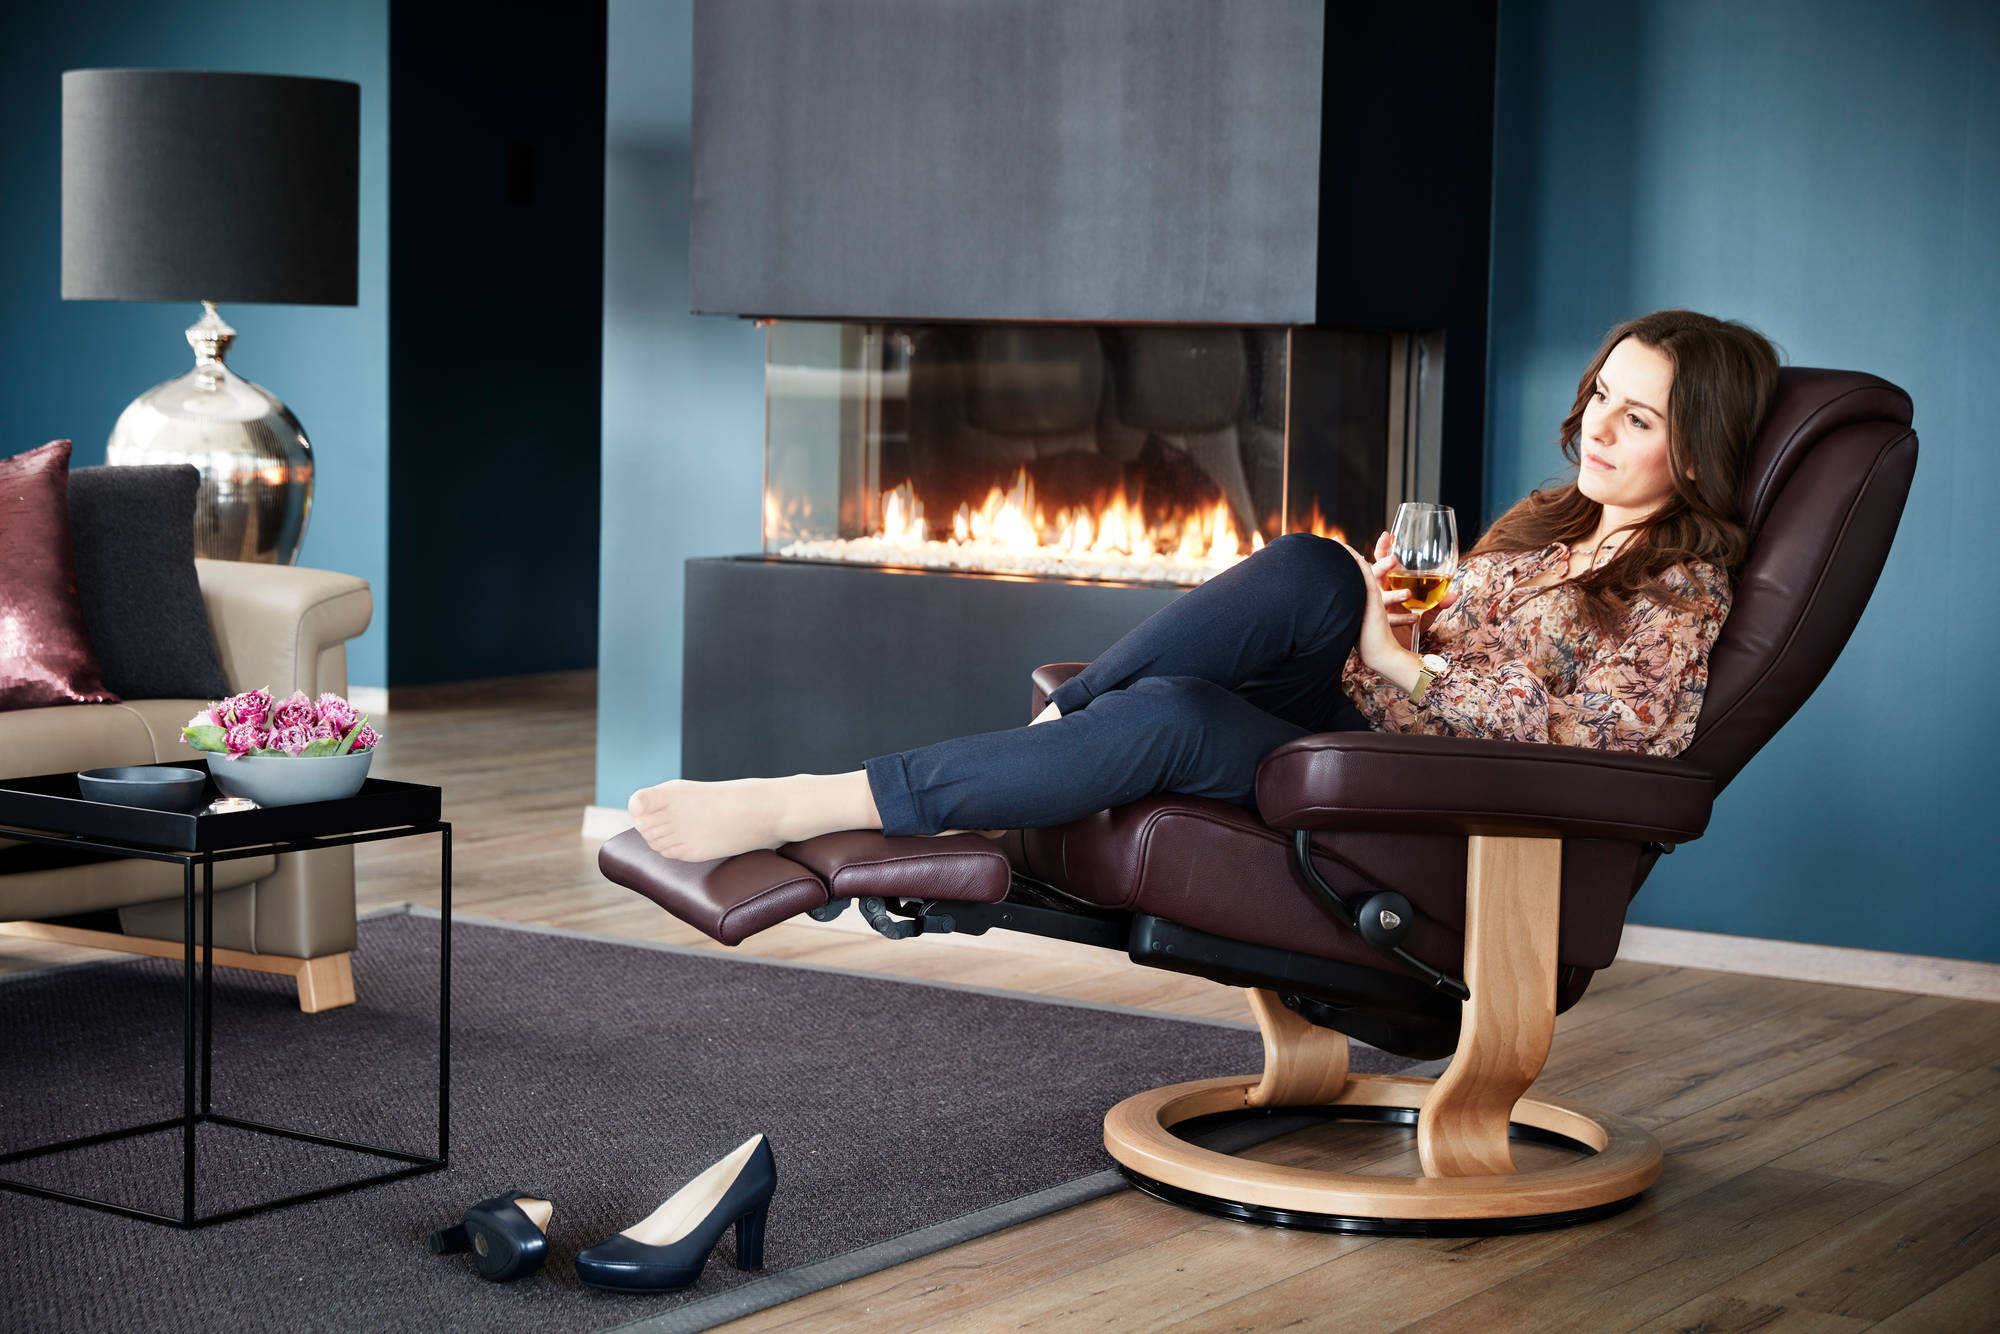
(1597, 394)
(1635, 420)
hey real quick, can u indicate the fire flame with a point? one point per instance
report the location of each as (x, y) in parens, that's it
(1011, 524)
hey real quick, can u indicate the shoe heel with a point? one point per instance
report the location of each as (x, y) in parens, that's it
(750, 1237)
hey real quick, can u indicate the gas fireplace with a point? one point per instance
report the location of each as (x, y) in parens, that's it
(1068, 307)
(1131, 453)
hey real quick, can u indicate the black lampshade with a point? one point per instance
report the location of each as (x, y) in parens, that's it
(182, 185)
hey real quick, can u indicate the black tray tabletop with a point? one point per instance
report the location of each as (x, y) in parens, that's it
(55, 804)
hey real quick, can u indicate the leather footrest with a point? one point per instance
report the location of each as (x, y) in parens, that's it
(733, 898)
(730, 898)
(860, 863)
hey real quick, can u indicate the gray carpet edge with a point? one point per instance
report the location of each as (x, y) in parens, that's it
(765, 1293)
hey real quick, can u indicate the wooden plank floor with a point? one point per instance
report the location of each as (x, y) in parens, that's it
(1833, 1153)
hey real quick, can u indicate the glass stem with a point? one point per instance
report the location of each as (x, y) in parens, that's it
(1416, 628)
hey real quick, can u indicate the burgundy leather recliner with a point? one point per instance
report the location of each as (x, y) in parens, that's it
(1424, 894)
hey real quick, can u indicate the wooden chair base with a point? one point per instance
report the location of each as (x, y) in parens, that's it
(1623, 1161)
(1466, 1118)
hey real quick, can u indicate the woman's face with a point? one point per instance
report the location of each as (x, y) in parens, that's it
(1624, 438)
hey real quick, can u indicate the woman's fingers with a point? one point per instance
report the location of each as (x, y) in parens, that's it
(1384, 545)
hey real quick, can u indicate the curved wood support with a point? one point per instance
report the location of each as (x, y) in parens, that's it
(1513, 903)
(1304, 1065)
(1513, 900)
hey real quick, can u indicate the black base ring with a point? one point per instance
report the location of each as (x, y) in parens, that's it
(1352, 1225)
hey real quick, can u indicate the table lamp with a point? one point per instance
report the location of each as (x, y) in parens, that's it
(182, 185)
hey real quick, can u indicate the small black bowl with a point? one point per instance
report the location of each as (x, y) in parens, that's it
(156, 787)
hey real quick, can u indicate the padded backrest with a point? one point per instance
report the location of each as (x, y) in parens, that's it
(1822, 495)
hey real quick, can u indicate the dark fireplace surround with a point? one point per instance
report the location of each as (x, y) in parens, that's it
(1075, 469)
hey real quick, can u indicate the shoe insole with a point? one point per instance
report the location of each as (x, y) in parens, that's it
(538, 1211)
(692, 1202)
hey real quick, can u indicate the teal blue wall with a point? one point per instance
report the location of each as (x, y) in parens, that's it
(1830, 173)
(69, 368)
(683, 404)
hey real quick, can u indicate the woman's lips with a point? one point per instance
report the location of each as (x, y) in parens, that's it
(1596, 462)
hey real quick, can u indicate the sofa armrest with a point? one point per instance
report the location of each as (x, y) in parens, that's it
(272, 622)
(1431, 784)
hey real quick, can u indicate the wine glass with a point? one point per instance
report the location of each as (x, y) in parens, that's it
(1426, 551)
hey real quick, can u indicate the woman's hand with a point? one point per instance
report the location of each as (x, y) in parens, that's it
(1378, 644)
(1400, 621)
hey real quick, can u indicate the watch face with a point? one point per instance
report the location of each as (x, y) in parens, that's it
(1436, 661)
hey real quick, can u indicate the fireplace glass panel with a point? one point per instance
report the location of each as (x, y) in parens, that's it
(1151, 453)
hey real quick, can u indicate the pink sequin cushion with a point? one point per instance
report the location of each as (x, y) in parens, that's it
(45, 652)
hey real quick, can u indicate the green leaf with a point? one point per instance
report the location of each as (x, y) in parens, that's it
(267, 750)
(326, 745)
(348, 740)
(206, 737)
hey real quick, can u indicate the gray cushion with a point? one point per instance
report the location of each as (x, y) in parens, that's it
(133, 532)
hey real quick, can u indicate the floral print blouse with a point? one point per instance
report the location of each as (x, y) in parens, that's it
(1527, 666)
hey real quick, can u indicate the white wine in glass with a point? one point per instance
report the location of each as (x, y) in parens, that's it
(1426, 551)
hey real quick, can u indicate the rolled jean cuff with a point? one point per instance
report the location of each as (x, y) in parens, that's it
(1071, 695)
(889, 781)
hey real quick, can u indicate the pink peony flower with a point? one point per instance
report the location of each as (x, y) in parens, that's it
(206, 718)
(338, 714)
(366, 738)
(243, 738)
(252, 707)
(295, 711)
(292, 740)
(323, 732)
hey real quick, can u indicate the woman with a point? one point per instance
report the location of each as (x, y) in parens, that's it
(1583, 617)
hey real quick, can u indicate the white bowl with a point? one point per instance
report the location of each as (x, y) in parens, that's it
(288, 780)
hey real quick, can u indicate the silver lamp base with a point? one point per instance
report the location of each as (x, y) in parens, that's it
(255, 461)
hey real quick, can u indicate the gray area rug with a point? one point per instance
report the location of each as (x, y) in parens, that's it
(904, 1116)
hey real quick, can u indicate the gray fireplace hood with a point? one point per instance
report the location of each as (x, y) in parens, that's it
(1202, 161)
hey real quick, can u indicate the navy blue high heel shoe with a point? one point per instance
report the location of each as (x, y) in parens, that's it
(669, 1247)
(507, 1235)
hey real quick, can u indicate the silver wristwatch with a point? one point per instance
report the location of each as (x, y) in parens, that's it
(1435, 665)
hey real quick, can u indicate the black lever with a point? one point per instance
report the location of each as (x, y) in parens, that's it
(1371, 920)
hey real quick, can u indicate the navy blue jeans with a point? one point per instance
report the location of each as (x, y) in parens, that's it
(1188, 702)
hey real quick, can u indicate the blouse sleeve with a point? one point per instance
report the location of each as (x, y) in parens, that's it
(1641, 695)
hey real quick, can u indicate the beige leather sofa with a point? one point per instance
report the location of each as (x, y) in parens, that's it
(285, 627)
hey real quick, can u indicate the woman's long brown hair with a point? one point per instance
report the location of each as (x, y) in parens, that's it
(1725, 375)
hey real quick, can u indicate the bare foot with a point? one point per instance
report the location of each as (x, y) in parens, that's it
(698, 822)
(1048, 714)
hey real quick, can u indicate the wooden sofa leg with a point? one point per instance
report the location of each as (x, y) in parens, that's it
(326, 983)
(1513, 906)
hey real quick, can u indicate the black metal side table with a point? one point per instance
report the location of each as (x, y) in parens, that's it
(51, 809)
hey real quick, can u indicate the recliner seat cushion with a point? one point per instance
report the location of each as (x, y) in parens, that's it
(1218, 868)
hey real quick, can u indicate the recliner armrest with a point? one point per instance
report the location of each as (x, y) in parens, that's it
(1046, 680)
(272, 622)
(1431, 784)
